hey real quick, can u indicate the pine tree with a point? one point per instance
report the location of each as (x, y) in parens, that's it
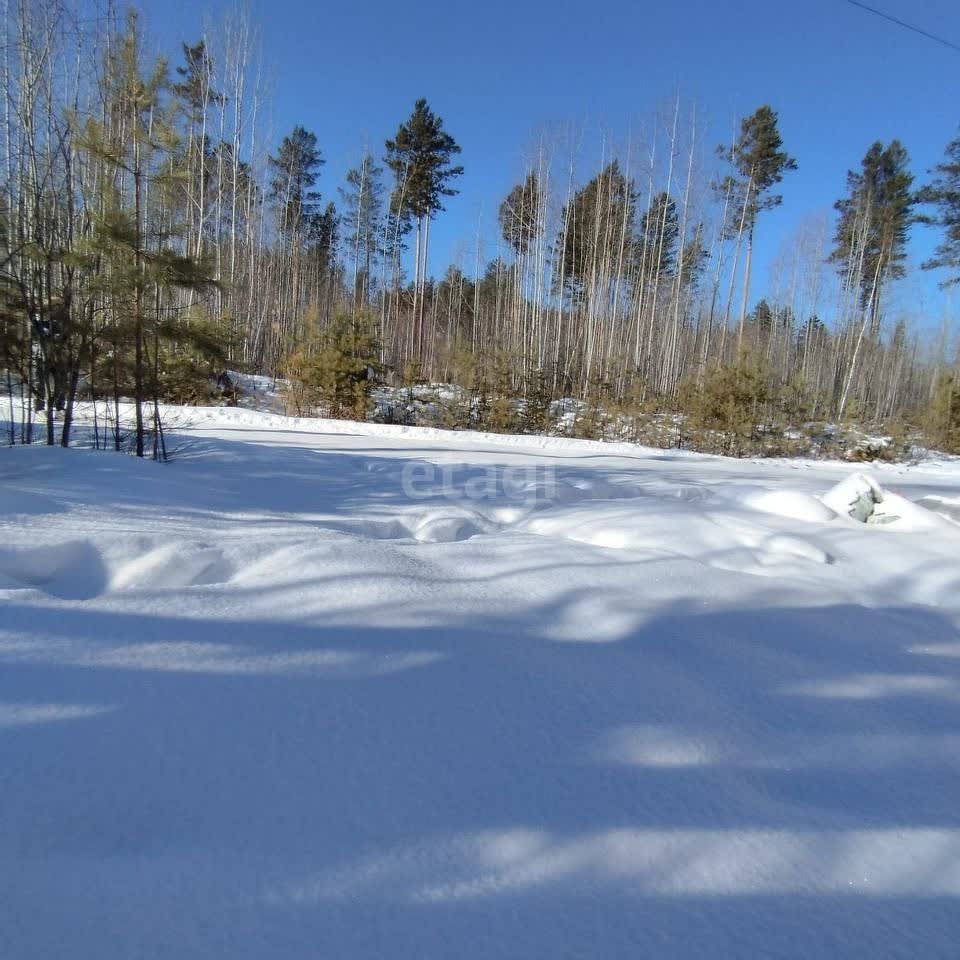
(943, 417)
(363, 209)
(195, 92)
(338, 375)
(519, 214)
(760, 164)
(657, 242)
(296, 168)
(121, 229)
(420, 157)
(731, 406)
(874, 223)
(323, 238)
(594, 222)
(944, 194)
(134, 236)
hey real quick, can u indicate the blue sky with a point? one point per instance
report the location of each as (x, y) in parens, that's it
(501, 72)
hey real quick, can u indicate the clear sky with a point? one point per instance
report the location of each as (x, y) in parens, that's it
(501, 72)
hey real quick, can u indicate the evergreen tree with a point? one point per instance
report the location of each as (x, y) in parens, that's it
(196, 79)
(134, 236)
(759, 164)
(943, 417)
(594, 224)
(129, 154)
(657, 243)
(420, 156)
(520, 214)
(338, 375)
(762, 317)
(363, 209)
(813, 332)
(944, 194)
(323, 239)
(731, 406)
(196, 160)
(296, 168)
(874, 222)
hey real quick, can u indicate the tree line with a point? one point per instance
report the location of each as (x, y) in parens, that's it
(152, 236)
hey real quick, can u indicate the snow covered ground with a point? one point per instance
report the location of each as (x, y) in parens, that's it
(351, 691)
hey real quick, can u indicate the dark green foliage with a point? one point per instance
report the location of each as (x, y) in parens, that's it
(812, 334)
(520, 214)
(875, 219)
(363, 209)
(596, 221)
(657, 243)
(323, 237)
(183, 357)
(194, 87)
(731, 408)
(535, 414)
(296, 167)
(944, 194)
(499, 402)
(760, 164)
(420, 157)
(943, 418)
(338, 376)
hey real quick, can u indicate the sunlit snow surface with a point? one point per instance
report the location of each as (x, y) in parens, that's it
(319, 690)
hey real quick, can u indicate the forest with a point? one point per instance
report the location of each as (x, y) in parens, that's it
(153, 236)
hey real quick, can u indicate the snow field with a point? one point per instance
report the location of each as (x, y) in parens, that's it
(321, 689)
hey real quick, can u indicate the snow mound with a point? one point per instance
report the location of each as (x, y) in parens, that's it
(173, 565)
(776, 555)
(946, 507)
(791, 504)
(861, 498)
(668, 528)
(907, 516)
(69, 571)
(856, 496)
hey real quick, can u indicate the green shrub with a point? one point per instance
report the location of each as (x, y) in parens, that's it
(943, 417)
(338, 376)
